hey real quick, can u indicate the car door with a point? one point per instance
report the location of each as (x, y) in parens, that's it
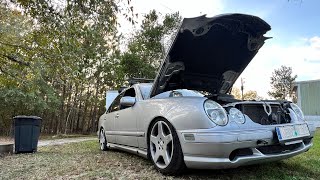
(109, 119)
(126, 122)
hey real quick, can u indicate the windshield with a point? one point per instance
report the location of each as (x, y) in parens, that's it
(180, 93)
(145, 90)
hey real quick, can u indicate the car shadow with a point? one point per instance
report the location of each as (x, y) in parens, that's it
(274, 170)
(270, 170)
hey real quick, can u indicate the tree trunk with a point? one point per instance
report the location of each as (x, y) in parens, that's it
(68, 109)
(61, 117)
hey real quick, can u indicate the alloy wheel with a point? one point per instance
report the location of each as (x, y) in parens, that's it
(161, 144)
(102, 141)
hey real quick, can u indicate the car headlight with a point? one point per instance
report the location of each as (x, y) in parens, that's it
(297, 110)
(237, 115)
(215, 112)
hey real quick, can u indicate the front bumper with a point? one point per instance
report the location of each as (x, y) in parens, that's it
(211, 149)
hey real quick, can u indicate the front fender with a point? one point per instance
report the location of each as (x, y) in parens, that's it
(188, 113)
(182, 112)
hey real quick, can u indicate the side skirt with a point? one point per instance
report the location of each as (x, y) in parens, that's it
(133, 150)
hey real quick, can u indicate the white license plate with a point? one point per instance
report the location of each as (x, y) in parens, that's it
(292, 131)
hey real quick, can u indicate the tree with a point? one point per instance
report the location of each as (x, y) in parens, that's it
(282, 81)
(58, 61)
(145, 49)
(248, 95)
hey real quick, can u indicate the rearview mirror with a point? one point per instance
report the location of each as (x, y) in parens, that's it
(127, 101)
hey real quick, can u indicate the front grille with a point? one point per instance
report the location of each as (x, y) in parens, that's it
(257, 114)
(274, 149)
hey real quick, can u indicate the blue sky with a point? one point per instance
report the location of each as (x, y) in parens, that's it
(290, 20)
(295, 30)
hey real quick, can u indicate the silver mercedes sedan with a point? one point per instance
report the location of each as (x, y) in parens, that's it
(186, 117)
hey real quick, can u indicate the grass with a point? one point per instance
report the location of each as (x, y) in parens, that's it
(84, 160)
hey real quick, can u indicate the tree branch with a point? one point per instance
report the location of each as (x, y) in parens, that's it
(15, 45)
(15, 59)
(3, 71)
(6, 73)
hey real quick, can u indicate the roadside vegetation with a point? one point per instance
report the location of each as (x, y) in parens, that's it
(58, 59)
(84, 160)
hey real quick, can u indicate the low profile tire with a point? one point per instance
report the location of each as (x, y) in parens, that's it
(165, 149)
(102, 141)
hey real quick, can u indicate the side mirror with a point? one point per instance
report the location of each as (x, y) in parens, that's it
(127, 101)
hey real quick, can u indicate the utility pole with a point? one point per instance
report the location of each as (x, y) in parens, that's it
(242, 82)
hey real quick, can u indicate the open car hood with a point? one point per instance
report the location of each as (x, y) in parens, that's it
(209, 54)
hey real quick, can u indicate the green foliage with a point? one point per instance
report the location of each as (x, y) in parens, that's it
(58, 60)
(145, 49)
(282, 81)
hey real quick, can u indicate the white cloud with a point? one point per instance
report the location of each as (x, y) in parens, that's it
(315, 42)
(185, 8)
(303, 57)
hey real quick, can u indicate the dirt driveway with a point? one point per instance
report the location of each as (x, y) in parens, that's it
(52, 141)
(64, 141)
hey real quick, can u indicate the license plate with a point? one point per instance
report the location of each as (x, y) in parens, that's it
(292, 132)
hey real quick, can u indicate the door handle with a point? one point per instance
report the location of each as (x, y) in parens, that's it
(117, 115)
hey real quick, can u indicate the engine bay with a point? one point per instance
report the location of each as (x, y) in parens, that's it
(266, 112)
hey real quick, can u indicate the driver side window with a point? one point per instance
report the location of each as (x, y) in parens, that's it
(115, 106)
(131, 93)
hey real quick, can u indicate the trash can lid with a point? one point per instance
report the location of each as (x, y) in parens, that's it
(27, 117)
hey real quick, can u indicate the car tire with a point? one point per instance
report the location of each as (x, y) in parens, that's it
(162, 145)
(102, 140)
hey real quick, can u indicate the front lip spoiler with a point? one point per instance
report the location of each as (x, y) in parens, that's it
(223, 163)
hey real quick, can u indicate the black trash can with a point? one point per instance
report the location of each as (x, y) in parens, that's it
(26, 133)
